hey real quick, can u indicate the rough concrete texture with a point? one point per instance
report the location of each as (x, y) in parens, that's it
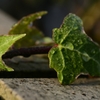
(50, 89)
(6, 93)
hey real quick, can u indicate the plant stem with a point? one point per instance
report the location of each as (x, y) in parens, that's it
(26, 52)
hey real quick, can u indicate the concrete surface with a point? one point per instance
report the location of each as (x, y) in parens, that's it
(6, 93)
(50, 89)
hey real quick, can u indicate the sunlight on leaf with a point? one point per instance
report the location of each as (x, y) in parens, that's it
(32, 34)
(6, 42)
(74, 52)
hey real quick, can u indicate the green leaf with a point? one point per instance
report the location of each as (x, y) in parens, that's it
(32, 34)
(74, 52)
(5, 43)
(45, 41)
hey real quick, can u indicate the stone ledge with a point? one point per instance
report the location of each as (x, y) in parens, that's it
(50, 89)
(6, 93)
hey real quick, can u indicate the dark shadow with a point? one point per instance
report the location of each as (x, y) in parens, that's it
(86, 82)
(1, 98)
(28, 74)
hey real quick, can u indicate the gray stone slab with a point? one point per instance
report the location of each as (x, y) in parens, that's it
(51, 89)
(6, 93)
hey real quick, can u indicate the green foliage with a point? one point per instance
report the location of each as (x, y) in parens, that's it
(5, 44)
(32, 33)
(74, 52)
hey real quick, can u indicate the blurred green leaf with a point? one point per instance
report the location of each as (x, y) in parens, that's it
(74, 52)
(23, 26)
(45, 41)
(5, 43)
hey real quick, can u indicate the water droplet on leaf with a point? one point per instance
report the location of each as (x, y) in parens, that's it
(70, 46)
(93, 51)
(59, 64)
(53, 52)
(57, 59)
(80, 41)
(85, 57)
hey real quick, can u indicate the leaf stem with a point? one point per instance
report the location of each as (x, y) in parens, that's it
(26, 52)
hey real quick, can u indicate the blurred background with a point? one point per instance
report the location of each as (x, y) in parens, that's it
(88, 10)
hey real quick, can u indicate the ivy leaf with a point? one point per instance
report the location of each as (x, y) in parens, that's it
(74, 52)
(24, 26)
(5, 43)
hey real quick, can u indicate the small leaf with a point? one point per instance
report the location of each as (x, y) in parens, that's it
(23, 26)
(32, 36)
(74, 52)
(5, 43)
